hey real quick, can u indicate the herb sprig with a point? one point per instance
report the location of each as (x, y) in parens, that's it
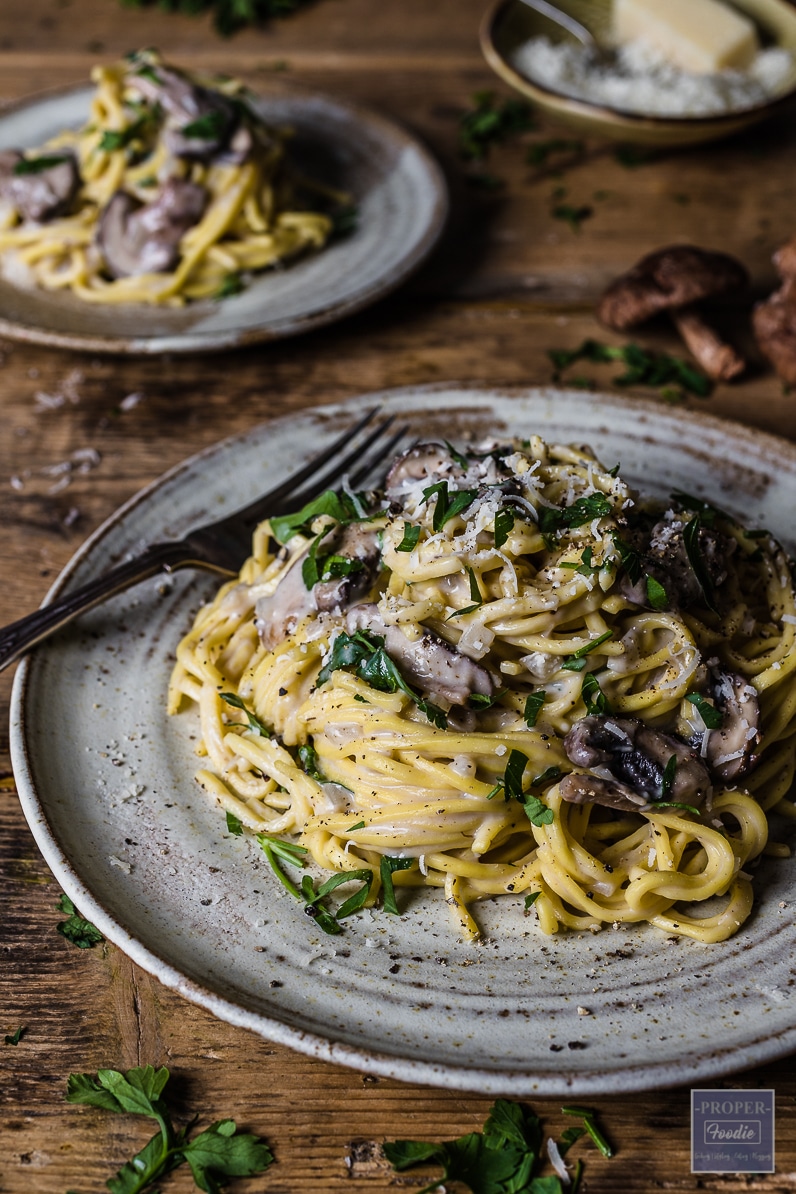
(657, 370)
(217, 1153)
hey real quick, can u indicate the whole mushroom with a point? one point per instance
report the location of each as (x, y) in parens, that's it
(676, 279)
(774, 320)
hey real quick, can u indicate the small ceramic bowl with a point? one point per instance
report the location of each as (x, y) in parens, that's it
(507, 24)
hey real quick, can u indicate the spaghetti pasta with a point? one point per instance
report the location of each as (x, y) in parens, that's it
(174, 190)
(506, 674)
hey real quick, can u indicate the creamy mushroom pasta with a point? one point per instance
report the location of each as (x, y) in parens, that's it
(505, 675)
(175, 189)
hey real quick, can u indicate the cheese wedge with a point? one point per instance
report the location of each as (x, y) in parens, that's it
(703, 36)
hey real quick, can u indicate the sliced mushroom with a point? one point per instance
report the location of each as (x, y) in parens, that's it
(279, 614)
(665, 558)
(629, 760)
(141, 238)
(731, 749)
(357, 542)
(423, 462)
(39, 195)
(675, 279)
(427, 663)
(774, 320)
(187, 104)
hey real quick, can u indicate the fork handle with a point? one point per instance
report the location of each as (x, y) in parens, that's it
(20, 636)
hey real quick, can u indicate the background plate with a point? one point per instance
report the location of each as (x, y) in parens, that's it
(105, 780)
(396, 184)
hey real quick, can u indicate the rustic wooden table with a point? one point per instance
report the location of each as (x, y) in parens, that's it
(509, 282)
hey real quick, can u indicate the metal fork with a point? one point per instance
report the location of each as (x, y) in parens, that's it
(220, 546)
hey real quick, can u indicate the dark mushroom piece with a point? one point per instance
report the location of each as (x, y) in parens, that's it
(39, 194)
(628, 761)
(420, 463)
(428, 663)
(676, 279)
(665, 558)
(731, 749)
(142, 238)
(774, 320)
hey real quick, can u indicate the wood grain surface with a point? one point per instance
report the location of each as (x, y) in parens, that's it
(508, 283)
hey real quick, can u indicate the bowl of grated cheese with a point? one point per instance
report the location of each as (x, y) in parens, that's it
(634, 91)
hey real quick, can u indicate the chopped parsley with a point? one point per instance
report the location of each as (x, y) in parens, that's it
(254, 722)
(387, 867)
(15, 1037)
(208, 127)
(502, 1159)
(593, 696)
(697, 560)
(364, 652)
(411, 537)
(504, 525)
(338, 506)
(231, 284)
(574, 216)
(447, 505)
(533, 707)
(475, 597)
(39, 165)
(531, 899)
(656, 593)
(214, 1155)
(512, 787)
(643, 367)
(277, 852)
(234, 825)
(668, 777)
(553, 519)
(76, 928)
(538, 154)
(317, 567)
(629, 557)
(585, 565)
(229, 16)
(576, 662)
(590, 1124)
(712, 717)
(491, 122)
(112, 140)
(308, 757)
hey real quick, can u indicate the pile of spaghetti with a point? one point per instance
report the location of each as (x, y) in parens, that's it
(175, 189)
(506, 675)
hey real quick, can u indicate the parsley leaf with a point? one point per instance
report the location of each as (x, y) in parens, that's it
(593, 696)
(15, 1037)
(254, 722)
(712, 717)
(337, 505)
(112, 140)
(230, 285)
(500, 1160)
(512, 787)
(308, 757)
(365, 653)
(39, 165)
(208, 127)
(475, 597)
(234, 825)
(411, 536)
(576, 662)
(388, 865)
(504, 525)
(697, 560)
(643, 367)
(217, 1153)
(656, 593)
(491, 122)
(533, 707)
(585, 565)
(667, 779)
(76, 929)
(448, 505)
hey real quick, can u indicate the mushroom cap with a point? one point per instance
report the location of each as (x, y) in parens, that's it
(774, 324)
(669, 278)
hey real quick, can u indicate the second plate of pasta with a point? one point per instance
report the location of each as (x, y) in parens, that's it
(291, 209)
(562, 992)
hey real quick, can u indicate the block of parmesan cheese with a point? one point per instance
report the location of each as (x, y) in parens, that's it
(696, 35)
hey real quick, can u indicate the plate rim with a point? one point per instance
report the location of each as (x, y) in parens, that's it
(194, 342)
(639, 1076)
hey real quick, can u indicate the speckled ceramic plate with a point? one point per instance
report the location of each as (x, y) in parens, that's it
(106, 783)
(397, 186)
